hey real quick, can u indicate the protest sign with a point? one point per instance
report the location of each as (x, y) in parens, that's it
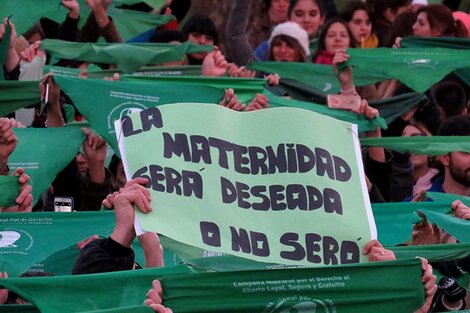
(386, 286)
(119, 98)
(274, 193)
(418, 68)
(43, 153)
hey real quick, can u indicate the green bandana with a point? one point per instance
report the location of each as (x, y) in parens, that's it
(119, 98)
(435, 145)
(127, 57)
(43, 153)
(418, 68)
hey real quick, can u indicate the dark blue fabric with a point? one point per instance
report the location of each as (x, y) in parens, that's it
(143, 37)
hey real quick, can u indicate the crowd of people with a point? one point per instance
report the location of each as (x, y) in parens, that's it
(302, 31)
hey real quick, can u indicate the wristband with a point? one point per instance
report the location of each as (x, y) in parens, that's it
(350, 91)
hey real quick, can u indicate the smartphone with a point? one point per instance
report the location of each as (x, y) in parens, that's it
(63, 204)
(343, 102)
(45, 99)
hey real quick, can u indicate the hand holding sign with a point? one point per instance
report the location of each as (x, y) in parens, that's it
(134, 193)
(272, 196)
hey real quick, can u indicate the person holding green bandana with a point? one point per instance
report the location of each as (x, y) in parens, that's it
(154, 297)
(292, 35)
(8, 141)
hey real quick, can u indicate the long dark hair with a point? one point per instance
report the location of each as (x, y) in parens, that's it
(293, 3)
(440, 17)
(201, 24)
(321, 39)
(350, 7)
(290, 41)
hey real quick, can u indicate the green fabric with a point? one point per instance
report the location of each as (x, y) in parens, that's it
(245, 89)
(156, 4)
(313, 44)
(118, 98)
(27, 12)
(61, 263)
(418, 68)
(319, 76)
(69, 113)
(208, 261)
(435, 42)
(363, 123)
(395, 220)
(64, 231)
(64, 71)
(447, 197)
(84, 293)
(297, 90)
(130, 23)
(4, 46)
(464, 74)
(43, 153)
(433, 253)
(185, 70)
(457, 227)
(393, 286)
(441, 42)
(15, 95)
(435, 145)
(26, 242)
(390, 108)
(9, 187)
(127, 57)
(362, 288)
(12, 308)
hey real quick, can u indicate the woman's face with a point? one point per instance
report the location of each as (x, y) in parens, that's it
(337, 37)
(417, 160)
(200, 39)
(360, 26)
(283, 51)
(422, 27)
(306, 13)
(280, 7)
